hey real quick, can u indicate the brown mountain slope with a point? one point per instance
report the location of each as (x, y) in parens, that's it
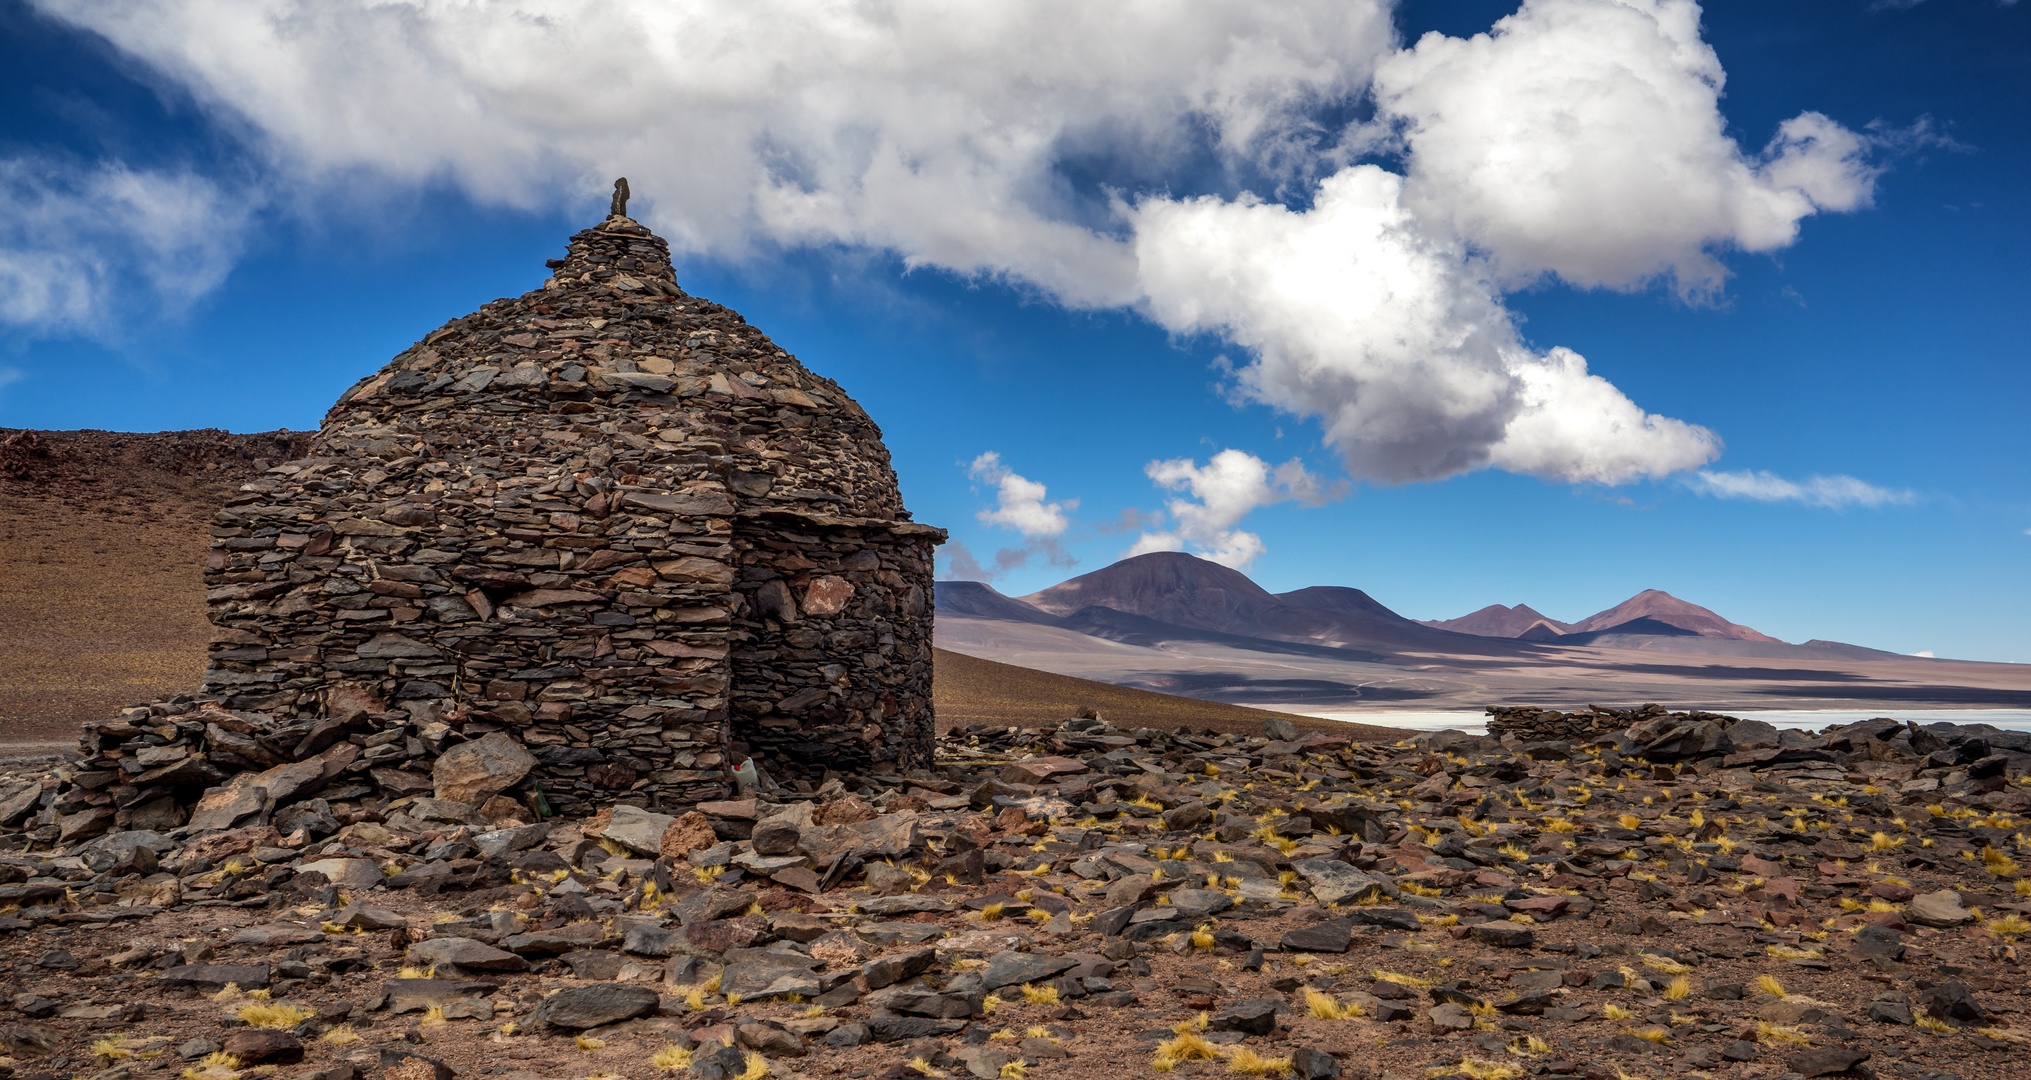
(1666, 608)
(102, 536)
(1496, 620)
(970, 690)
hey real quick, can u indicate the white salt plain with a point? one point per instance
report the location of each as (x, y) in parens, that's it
(1811, 719)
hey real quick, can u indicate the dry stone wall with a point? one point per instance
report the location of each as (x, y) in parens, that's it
(610, 520)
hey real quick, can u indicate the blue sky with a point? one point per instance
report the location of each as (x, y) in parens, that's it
(1139, 265)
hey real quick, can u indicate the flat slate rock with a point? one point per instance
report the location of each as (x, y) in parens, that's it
(1335, 882)
(908, 904)
(216, 976)
(580, 1007)
(1390, 918)
(1333, 936)
(888, 1029)
(1826, 1060)
(414, 995)
(1014, 968)
(1505, 935)
(760, 978)
(650, 941)
(1252, 1016)
(275, 934)
(465, 953)
(716, 902)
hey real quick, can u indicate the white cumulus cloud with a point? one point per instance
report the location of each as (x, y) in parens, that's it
(1360, 316)
(1584, 138)
(1019, 501)
(1827, 492)
(1217, 495)
(1021, 505)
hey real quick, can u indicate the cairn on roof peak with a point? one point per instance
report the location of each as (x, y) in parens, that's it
(607, 519)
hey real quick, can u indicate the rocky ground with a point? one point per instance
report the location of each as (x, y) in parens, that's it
(1680, 896)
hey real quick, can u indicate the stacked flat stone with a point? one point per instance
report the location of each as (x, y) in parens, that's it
(1531, 723)
(608, 518)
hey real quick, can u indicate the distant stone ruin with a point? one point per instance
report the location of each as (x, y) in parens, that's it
(606, 519)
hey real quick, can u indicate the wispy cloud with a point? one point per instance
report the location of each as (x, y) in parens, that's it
(1828, 492)
(1230, 486)
(960, 565)
(82, 244)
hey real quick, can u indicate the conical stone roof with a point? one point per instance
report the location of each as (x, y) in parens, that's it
(607, 518)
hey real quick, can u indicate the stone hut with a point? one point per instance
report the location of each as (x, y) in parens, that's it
(606, 518)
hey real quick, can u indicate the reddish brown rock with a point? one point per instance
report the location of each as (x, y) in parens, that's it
(690, 832)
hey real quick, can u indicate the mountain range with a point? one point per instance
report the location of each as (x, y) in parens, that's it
(1651, 611)
(1165, 592)
(1177, 623)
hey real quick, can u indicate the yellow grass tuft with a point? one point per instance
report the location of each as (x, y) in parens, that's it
(1658, 1035)
(2011, 926)
(1630, 821)
(1202, 939)
(588, 1043)
(1930, 1022)
(1246, 1062)
(1479, 1069)
(112, 1046)
(1559, 825)
(1769, 985)
(923, 1065)
(432, 1017)
(342, 1035)
(1186, 1046)
(1678, 989)
(1400, 979)
(758, 1066)
(1998, 863)
(1017, 1069)
(1040, 995)
(1616, 1012)
(1664, 963)
(990, 913)
(216, 1066)
(271, 1015)
(1324, 1007)
(1781, 1034)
